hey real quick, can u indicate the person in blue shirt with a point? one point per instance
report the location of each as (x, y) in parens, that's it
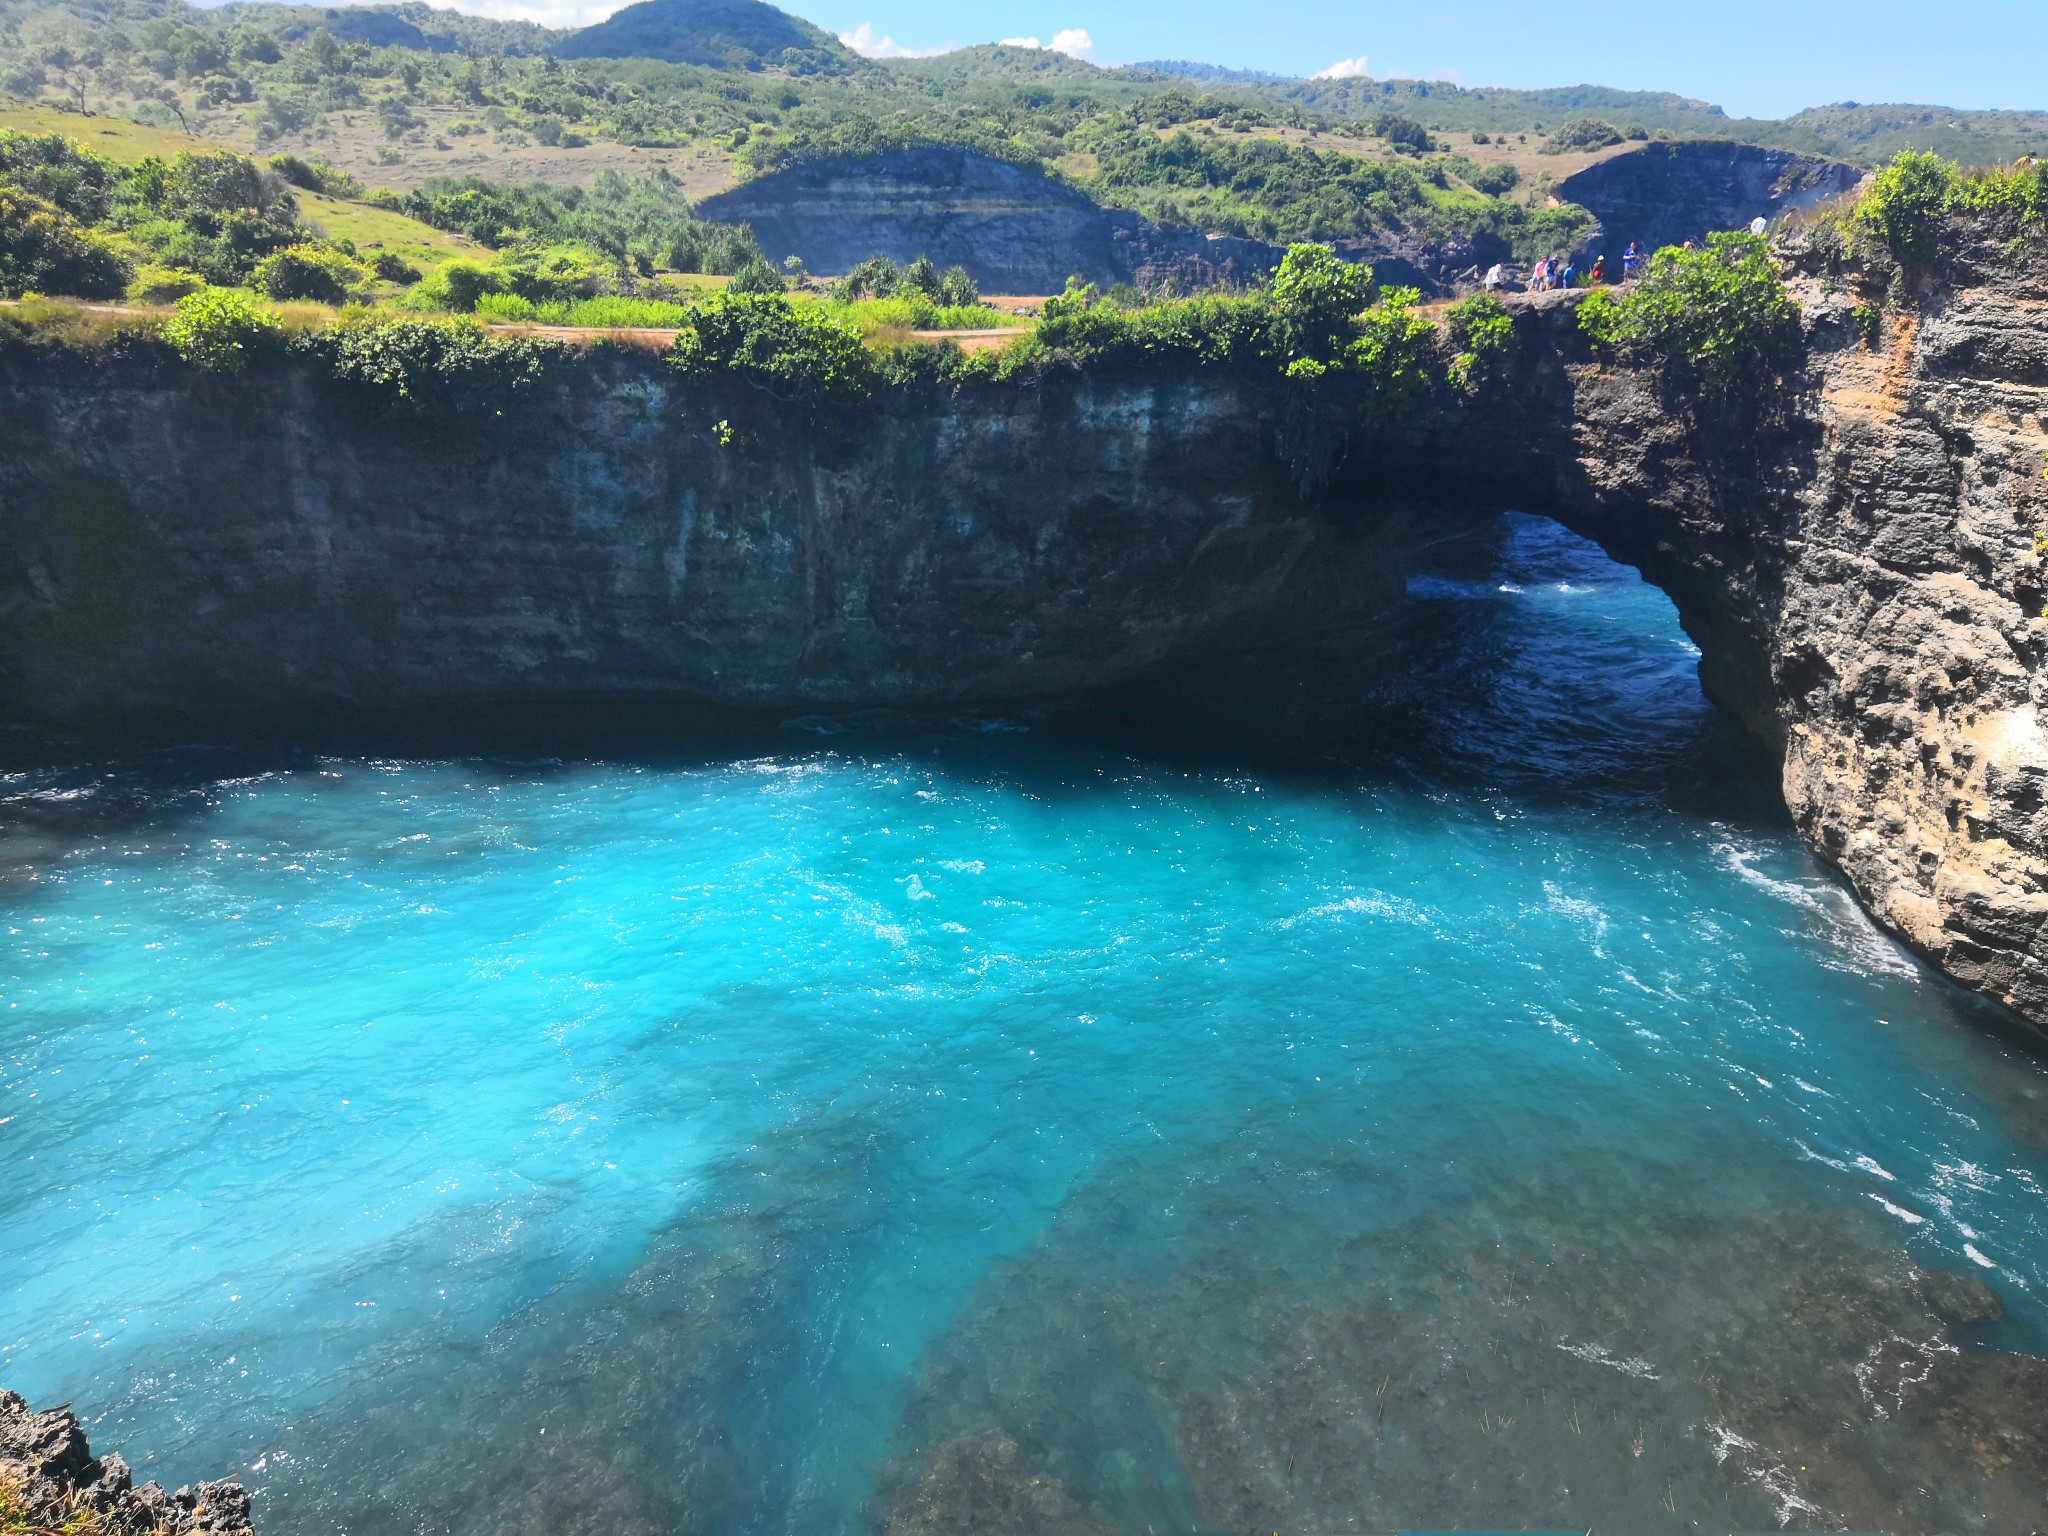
(1629, 262)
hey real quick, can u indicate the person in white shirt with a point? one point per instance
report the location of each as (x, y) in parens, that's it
(1759, 224)
(1493, 277)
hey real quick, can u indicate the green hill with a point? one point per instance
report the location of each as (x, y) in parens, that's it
(721, 34)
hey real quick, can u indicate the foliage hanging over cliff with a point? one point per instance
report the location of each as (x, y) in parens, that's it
(218, 329)
(1910, 203)
(799, 356)
(423, 366)
(1714, 314)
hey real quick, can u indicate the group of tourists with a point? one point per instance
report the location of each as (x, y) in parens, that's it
(1565, 272)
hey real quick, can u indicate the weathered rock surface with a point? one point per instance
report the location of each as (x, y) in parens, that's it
(1668, 193)
(49, 1472)
(1852, 545)
(1013, 228)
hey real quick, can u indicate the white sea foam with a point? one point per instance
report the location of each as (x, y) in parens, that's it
(1910, 1218)
(1597, 1354)
(1859, 946)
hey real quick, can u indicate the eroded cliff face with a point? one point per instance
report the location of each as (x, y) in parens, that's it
(178, 546)
(1856, 550)
(1906, 640)
(1852, 544)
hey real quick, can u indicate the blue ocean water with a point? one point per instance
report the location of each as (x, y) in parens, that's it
(1433, 1089)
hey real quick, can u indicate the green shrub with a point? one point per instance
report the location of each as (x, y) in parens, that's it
(1717, 312)
(421, 367)
(1581, 133)
(1493, 180)
(460, 284)
(957, 290)
(756, 277)
(218, 329)
(1402, 132)
(1905, 203)
(1393, 360)
(312, 272)
(922, 276)
(43, 249)
(393, 268)
(163, 285)
(510, 306)
(875, 278)
(1314, 295)
(800, 356)
(1481, 333)
(315, 176)
(51, 167)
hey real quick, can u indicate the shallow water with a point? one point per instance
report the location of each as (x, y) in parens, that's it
(1437, 1092)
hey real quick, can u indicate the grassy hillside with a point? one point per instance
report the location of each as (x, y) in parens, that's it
(370, 229)
(403, 95)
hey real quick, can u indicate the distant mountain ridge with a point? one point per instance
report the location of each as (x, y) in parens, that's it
(717, 34)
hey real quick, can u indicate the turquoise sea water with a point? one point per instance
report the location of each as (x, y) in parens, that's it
(1437, 1090)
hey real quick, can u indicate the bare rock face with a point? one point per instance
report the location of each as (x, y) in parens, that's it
(1015, 229)
(49, 1477)
(1668, 193)
(1909, 653)
(1864, 575)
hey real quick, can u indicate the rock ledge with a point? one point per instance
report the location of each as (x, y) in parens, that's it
(50, 1479)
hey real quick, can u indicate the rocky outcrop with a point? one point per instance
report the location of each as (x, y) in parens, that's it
(1853, 545)
(1014, 228)
(1668, 193)
(50, 1480)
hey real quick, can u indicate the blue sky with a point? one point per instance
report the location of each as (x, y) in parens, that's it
(1764, 58)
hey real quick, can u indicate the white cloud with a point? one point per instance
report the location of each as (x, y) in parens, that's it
(1072, 41)
(1343, 69)
(863, 41)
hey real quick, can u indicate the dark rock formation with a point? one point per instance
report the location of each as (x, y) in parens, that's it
(235, 544)
(50, 1478)
(1015, 229)
(1668, 193)
(1853, 547)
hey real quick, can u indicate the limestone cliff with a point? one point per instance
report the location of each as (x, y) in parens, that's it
(1014, 228)
(1853, 546)
(1668, 193)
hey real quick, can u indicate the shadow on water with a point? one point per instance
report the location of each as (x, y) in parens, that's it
(1447, 694)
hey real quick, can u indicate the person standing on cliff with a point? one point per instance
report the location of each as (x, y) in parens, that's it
(1599, 273)
(1630, 260)
(1759, 224)
(1493, 279)
(1571, 274)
